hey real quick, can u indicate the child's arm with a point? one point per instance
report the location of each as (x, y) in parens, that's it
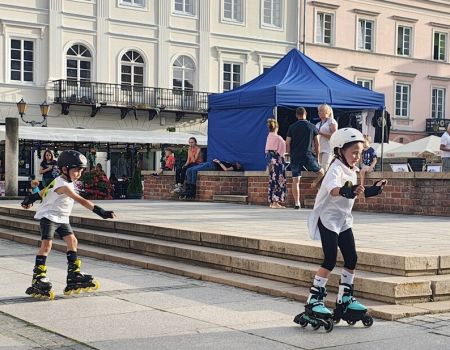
(349, 192)
(31, 198)
(376, 189)
(105, 214)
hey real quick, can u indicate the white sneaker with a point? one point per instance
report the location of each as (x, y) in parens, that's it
(177, 189)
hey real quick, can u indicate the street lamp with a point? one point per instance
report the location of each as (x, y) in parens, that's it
(22, 107)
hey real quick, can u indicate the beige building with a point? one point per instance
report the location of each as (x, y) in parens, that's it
(149, 64)
(399, 48)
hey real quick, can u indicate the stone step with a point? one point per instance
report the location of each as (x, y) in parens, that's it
(230, 198)
(394, 263)
(256, 284)
(372, 285)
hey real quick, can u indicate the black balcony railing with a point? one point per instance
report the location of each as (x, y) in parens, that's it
(437, 126)
(130, 96)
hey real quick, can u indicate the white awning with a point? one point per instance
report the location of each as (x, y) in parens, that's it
(421, 147)
(105, 135)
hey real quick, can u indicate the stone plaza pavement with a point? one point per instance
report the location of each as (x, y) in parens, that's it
(143, 309)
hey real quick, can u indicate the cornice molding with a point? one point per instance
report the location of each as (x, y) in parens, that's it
(364, 69)
(366, 13)
(404, 19)
(325, 5)
(403, 74)
(434, 77)
(243, 52)
(439, 25)
(329, 64)
(5, 23)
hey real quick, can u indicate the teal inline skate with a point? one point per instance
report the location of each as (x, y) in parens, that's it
(316, 314)
(349, 309)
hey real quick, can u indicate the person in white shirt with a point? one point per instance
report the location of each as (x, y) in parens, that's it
(331, 221)
(57, 203)
(326, 127)
(445, 148)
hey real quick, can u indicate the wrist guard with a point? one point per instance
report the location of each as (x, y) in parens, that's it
(348, 191)
(30, 199)
(371, 191)
(105, 214)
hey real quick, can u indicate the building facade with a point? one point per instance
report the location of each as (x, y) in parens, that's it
(149, 64)
(399, 48)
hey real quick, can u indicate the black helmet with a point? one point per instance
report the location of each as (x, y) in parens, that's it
(71, 159)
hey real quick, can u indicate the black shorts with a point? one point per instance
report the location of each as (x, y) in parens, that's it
(48, 229)
(309, 163)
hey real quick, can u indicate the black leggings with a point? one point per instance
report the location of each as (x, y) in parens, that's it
(331, 241)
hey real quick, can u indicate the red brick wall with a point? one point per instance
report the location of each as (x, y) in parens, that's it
(406, 193)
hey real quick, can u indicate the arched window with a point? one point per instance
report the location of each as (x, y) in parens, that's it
(183, 73)
(132, 69)
(79, 62)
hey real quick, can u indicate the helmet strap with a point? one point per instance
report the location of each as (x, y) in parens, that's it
(66, 174)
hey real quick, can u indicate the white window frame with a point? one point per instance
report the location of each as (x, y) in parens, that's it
(411, 40)
(272, 25)
(232, 20)
(133, 64)
(8, 53)
(194, 77)
(433, 103)
(222, 72)
(408, 107)
(316, 29)
(445, 49)
(132, 4)
(364, 82)
(79, 59)
(184, 12)
(358, 33)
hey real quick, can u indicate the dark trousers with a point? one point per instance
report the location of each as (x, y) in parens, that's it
(331, 241)
(180, 174)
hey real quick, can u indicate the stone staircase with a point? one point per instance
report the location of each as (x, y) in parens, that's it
(392, 285)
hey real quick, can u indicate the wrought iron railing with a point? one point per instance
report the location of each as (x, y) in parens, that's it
(437, 126)
(124, 95)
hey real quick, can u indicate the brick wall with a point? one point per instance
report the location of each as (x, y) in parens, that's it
(406, 193)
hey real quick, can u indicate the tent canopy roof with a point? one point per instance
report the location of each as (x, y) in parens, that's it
(296, 80)
(430, 144)
(104, 135)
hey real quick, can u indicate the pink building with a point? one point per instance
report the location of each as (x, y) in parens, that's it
(399, 48)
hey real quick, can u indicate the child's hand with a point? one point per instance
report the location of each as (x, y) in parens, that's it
(381, 183)
(358, 190)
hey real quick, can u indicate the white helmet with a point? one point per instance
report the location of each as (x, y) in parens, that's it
(343, 136)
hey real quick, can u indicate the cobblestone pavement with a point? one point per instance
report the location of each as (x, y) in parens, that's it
(144, 309)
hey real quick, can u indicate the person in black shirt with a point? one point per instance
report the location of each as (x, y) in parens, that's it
(215, 164)
(48, 169)
(301, 137)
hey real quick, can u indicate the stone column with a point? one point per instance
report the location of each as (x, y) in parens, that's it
(11, 156)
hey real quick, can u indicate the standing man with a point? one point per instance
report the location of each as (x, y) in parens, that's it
(445, 148)
(301, 137)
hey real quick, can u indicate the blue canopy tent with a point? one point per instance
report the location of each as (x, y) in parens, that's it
(237, 128)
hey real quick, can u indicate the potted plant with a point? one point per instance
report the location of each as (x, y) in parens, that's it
(134, 190)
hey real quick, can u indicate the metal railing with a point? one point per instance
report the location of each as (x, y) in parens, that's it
(124, 95)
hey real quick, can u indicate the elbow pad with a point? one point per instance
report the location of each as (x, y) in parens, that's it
(371, 191)
(105, 214)
(348, 191)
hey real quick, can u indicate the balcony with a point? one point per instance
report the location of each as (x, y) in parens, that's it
(436, 126)
(127, 97)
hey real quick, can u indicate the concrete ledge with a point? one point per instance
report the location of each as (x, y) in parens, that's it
(230, 198)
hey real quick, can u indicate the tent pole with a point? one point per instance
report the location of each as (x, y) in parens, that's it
(382, 135)
(275, 113)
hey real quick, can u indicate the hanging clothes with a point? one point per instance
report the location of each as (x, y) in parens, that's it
(380, 124)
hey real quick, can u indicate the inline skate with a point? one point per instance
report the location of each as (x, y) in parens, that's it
(41, 288)
(316, 314)
(77, 281)
(349, 309)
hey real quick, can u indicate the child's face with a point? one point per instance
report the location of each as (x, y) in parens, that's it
(75, 173)
(353, 154)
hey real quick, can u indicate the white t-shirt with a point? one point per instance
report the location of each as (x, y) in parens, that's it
(325, 127)
(56, 207)
(334, 212)
(445, 140)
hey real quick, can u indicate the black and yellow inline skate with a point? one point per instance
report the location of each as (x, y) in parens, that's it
(77, 281)
(41, 287)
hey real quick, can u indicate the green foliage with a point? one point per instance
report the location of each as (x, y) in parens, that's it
(135, 185)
